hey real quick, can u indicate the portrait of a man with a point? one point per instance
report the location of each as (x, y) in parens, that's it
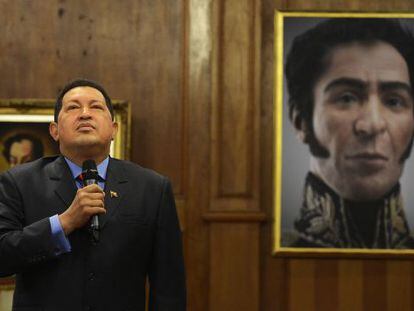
(22, 142)
(349, 85)
(22, 148)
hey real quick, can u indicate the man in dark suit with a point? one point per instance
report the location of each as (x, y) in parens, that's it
(45, 214)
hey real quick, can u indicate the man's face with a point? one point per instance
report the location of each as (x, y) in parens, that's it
(21, 152)
(363, 115)
(84, 123)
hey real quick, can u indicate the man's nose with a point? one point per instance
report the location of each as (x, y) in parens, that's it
(370, 121)
(85, 113)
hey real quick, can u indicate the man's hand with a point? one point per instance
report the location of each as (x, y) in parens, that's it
(87, 202)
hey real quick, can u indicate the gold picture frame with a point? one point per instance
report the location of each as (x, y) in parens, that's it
(289, 164)
(32, 117)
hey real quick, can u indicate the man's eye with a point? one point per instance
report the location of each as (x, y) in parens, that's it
(395, 102)
(71, 107)
(346, 99)
(97, 107)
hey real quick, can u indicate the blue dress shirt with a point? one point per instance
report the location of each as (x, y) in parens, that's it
(58, 235)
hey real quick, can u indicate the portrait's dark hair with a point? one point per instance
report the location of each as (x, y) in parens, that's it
(37, 151)
(77, 83)
(307, 60)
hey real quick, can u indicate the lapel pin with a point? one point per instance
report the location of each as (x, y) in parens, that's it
(114, 194)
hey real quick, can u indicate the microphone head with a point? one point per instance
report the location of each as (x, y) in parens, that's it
(89, 170)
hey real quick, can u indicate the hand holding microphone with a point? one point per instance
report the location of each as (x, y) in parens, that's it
(90, 177)
(87, 204)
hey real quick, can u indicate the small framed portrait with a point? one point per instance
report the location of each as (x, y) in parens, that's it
(343, 132)
(24, 136)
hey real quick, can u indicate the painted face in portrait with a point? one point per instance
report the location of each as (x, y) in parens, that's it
(84, 124)
(21, 152)
(363, 116)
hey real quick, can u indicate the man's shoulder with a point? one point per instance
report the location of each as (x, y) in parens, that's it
(30, 167)
(133, 170)
(31, 173)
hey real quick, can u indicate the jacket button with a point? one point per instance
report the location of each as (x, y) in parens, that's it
(91, 277)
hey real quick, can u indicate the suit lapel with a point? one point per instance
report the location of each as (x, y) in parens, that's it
(114, 190)
(65, 187)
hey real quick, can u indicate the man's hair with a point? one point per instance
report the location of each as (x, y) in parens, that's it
(77, 83)
(37, 151)
(308, 59)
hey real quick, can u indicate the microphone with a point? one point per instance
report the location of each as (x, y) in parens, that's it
(89, 177)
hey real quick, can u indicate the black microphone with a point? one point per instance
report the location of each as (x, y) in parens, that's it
(89, 177)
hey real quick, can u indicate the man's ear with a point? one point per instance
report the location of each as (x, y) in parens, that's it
(53, 131)
(115, 129)
(301, 126)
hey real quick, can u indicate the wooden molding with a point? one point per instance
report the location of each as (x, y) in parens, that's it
(235, 217)
(235, 96)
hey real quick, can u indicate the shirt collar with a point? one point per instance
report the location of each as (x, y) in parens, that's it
(77, 170)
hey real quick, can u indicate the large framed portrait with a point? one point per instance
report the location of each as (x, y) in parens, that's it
(24, 136)
(343, 132)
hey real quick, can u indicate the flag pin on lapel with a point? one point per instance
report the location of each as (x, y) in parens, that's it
(113, 194)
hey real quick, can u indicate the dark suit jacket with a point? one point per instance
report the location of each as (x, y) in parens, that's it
(139, 237)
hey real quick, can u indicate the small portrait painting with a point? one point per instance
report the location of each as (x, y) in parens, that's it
(24, 142)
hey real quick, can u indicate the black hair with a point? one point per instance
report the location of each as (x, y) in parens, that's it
(307, 60)
(77, 83)
(37, 151)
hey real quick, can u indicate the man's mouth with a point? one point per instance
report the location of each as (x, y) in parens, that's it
(368, 161)
(85, 126)
(368, 156)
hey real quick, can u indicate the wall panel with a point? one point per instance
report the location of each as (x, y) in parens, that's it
(350, 285)
(399, 285)
(301, 284)
(234, 276)
(326, 285)
(198, 98)
(235, 126)
(235, 99)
